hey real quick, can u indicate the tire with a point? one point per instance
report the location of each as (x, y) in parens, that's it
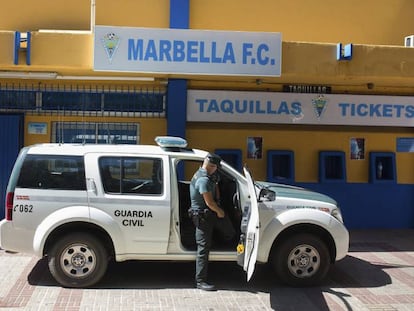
(301, 260)
(78, 260)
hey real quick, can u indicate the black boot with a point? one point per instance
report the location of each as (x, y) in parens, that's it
(205, 286)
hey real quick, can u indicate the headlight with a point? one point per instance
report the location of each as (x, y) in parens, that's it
(336, 212)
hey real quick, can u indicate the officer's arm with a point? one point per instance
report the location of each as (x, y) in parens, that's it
(208, 198)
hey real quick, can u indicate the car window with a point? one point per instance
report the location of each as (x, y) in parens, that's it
(52, 172)
(131, 175)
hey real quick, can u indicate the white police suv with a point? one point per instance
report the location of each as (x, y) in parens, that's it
(83, 205)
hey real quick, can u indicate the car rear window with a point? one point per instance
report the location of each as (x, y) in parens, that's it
(52, 172)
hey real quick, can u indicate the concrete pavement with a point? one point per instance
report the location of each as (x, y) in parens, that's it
(377, 274)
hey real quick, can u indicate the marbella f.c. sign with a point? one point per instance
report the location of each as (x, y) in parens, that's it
(184, 51)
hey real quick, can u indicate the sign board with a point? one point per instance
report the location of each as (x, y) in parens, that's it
(185, 51)
(305, 88)
(38, 128)
(285, 108)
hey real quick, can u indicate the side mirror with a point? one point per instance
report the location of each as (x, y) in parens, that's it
(267, 194)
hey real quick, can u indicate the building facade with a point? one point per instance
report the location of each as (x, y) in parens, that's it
(338, 117)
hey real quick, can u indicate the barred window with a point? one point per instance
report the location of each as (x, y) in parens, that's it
(71, 101)
(83, 100)
(19, 100)
(95, 133)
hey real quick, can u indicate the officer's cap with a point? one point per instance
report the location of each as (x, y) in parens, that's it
(214, 159)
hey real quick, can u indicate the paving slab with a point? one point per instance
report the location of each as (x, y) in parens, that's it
(377, 275)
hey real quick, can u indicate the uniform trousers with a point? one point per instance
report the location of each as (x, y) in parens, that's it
(206, 224)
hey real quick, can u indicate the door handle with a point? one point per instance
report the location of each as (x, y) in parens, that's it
(91, 186)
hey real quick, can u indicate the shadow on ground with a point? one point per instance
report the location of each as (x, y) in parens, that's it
(351, 272)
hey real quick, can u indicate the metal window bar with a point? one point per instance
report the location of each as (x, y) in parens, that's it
(83, 100)
(95, 132)
(17, 98)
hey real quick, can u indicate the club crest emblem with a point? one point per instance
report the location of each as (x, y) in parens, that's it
(110, 43)
(319, 105)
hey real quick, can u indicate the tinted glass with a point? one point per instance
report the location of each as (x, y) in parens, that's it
(52, 172)
(131, 175)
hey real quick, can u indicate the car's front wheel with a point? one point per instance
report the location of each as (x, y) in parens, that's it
(301, 260)
(78, 260)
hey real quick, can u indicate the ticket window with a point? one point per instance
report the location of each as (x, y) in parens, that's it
(382, 167)
(231, 156)
(332, 166)
(280, 166)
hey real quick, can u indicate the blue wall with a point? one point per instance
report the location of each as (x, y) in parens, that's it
(369, 205)
(11, 138)
(177, 88)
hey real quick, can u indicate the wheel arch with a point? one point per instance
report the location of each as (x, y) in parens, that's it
(305, 228)
(81, 227)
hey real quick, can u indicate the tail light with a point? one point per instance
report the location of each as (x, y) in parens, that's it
(9, 205)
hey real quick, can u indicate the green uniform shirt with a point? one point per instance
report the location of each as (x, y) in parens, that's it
(201, 183)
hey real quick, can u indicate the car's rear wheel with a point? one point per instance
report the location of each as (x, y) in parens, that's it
(78, 260)
(301, 260)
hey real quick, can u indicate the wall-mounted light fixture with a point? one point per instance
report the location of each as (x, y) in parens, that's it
(344, 52)
(409, 41)
(22, 42)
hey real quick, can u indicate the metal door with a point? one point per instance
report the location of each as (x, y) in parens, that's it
(11, 140)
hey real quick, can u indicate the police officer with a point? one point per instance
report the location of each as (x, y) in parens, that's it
(207, 215)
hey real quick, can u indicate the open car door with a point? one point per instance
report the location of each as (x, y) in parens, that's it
(249, 239)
